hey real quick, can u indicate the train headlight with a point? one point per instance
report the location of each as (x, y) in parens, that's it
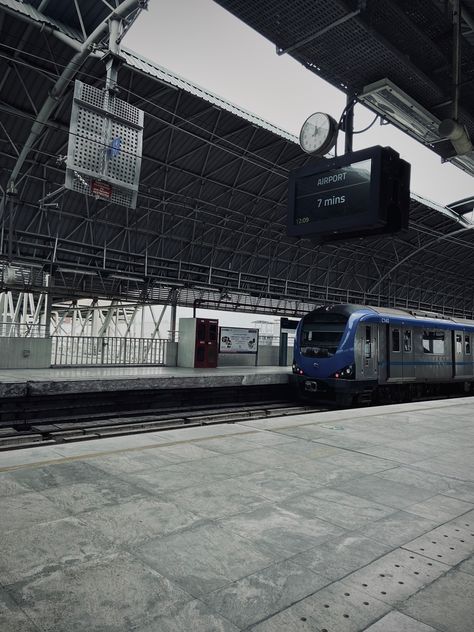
(296, 369)
(347, 373)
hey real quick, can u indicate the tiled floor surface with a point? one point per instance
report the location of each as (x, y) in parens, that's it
(339, 522)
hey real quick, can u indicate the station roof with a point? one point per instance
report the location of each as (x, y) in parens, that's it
(210, 221)
(354, 44)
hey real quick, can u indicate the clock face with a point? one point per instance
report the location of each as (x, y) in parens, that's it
(317, 134)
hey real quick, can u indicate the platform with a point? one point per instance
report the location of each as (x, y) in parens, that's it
(338, 521)
(20, 382)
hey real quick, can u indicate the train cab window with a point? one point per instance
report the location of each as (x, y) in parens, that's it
(396, 340)
(467, 345)
(433, 342)
(458, 343)
(321, 334)
(368, 343)
(407, 345)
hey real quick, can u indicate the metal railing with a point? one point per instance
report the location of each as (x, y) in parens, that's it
(99, 351)
(22, 330)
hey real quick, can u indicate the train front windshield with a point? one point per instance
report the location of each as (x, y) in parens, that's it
(321, 334)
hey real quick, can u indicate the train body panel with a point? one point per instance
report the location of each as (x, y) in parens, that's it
(359, 349)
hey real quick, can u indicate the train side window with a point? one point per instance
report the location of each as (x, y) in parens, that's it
(368, 343)
(433, 342)
(458, 343)
(467, 345)
(396, 340)
(407, 344)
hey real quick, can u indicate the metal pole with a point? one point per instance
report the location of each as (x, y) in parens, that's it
(174, 307)
(283, 355)
(11, 195)
(142, 325)
(349, 125)
(48, 304)
(456, 56)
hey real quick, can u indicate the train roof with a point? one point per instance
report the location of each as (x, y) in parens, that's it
(349, 309)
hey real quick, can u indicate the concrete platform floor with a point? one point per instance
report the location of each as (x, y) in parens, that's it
(19, 382)
(326, 522)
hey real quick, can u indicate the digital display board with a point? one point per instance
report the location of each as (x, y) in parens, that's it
(345, 191)
(366, 191)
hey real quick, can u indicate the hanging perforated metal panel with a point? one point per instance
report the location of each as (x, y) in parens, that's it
(105, 146)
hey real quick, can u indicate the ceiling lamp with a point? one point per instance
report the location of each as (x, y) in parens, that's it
(397, 107)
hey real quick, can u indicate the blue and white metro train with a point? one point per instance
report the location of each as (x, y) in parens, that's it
(360, 354)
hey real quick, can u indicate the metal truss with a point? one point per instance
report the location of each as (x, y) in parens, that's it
(23, 314)
(105, 319)
(210, 221)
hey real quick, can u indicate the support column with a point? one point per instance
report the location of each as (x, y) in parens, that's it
(12, 194)
(349, 125)
(48, 304)
(174, 307)
(142, 325)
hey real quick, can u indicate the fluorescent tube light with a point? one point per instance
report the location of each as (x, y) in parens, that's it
(397, 107)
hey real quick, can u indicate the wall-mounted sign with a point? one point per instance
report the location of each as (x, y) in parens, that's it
(101, 189)
(288, 324)
(238, 340)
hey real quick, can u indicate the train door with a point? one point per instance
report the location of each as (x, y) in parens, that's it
(394, 354)
(458, 354)
(469, 366)
(369, 351)
(408, 364)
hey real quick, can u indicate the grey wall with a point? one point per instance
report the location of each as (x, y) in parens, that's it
(25, 353)
(171, 357)
(187, 342)
(267, 356)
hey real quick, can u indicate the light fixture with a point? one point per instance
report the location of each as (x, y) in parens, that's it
(466, 162)
(126, 277)
(397, 107)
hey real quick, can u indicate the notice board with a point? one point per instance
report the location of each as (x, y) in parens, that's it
(238, 340)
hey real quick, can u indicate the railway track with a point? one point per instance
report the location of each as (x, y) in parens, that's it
(66, 431)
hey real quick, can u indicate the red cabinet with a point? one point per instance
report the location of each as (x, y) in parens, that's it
(198, 342)
(206, 343)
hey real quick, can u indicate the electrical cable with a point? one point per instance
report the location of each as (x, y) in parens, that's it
(361, 131)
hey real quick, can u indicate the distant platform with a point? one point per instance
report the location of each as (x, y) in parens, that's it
(22, 382)
(345, 521)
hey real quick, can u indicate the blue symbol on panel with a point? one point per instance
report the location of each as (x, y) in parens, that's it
(115, 147)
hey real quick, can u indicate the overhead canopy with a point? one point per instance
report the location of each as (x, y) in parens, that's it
(210, 219)
(353, 44)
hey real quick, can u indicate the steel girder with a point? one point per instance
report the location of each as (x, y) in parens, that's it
(212, 206)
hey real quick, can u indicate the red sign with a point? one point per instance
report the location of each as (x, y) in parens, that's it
(101, 189)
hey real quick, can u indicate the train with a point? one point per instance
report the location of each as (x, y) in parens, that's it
(357, 354)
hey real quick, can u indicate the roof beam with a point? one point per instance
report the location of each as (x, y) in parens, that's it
(66, 76)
